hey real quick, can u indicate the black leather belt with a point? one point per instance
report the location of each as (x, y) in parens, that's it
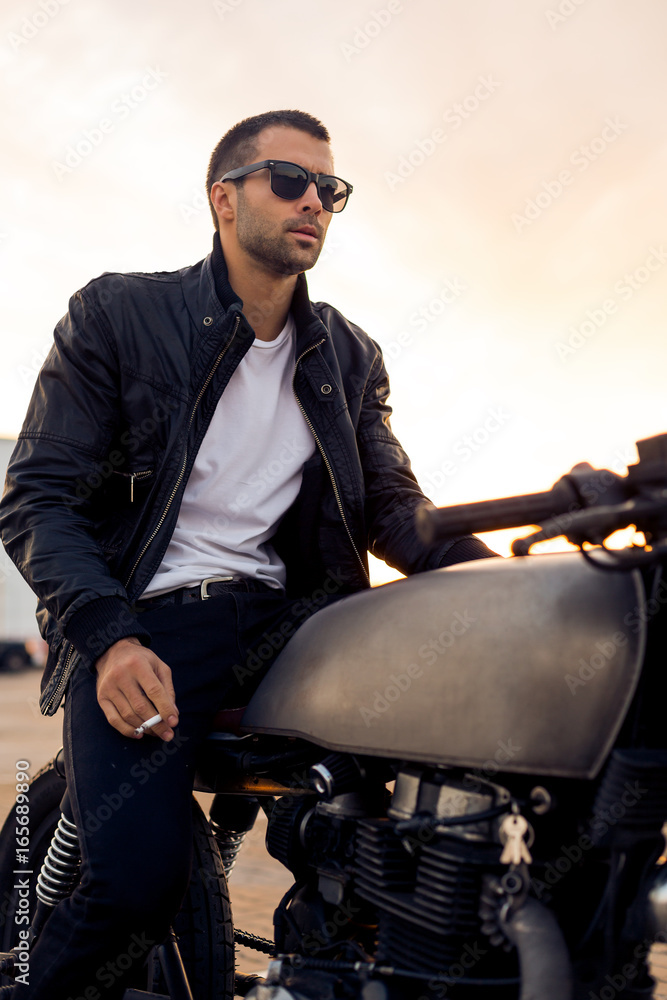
(213, 586)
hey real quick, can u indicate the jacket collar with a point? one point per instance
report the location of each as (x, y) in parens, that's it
(226, 294)
(309, 327)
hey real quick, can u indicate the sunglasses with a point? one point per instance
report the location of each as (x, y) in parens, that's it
(289, 181)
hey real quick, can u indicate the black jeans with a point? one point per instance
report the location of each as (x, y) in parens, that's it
(131, 798)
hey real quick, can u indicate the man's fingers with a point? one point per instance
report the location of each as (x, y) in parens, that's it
(133, 686)
(159, 688)
(115, 719)
(164, 674)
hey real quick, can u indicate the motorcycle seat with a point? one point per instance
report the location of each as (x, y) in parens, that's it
(228, 720)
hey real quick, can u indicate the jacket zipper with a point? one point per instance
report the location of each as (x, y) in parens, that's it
(135, 475)
(185, 456)
(56, 697)
(326, 460)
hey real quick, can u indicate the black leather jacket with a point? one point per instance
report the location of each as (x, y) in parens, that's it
(118, 413)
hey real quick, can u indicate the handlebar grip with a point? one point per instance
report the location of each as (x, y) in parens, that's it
(491, 515)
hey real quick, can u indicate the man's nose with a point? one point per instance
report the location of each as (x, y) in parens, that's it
(310, 200)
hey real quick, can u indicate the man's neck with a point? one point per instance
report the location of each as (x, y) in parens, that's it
(266, 297)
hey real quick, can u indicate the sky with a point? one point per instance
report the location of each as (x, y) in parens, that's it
(505, 243)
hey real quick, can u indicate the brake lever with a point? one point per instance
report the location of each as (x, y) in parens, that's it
(593, 524)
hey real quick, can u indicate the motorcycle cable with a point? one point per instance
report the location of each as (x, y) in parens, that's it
(622, 561)
(423, 820)
(282, 911)
(378, 969)
(594, 524)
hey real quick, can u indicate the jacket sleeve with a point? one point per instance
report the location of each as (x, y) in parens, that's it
(393, 494)
(45, 510)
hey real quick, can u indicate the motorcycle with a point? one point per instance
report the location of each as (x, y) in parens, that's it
(465, 772)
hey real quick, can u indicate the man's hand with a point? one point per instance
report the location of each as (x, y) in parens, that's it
(133, 684)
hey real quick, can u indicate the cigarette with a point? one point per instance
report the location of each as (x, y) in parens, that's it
(148, 724)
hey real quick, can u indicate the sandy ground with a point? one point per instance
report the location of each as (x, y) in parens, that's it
(257, 882)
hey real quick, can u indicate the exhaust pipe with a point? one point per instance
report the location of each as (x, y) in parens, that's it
(546, 972)
(544, 961)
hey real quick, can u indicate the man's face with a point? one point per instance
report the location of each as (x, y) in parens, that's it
(285, 237)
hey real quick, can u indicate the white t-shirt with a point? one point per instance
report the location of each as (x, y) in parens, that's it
(247, 473)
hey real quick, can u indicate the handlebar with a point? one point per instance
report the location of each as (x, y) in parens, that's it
(586, 504)
(491, 515)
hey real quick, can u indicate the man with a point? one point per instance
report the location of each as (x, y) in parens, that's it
(202, 448)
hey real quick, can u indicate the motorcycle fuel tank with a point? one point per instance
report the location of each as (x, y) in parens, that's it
(525, 665)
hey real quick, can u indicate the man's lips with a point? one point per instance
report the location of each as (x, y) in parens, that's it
(306, 232)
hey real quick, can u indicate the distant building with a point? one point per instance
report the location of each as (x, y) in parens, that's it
(17, 601)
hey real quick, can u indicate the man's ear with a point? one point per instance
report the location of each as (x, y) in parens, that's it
(224, 200)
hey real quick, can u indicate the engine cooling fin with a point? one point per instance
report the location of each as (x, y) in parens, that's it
(427, 904)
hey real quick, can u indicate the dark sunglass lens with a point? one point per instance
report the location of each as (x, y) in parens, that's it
(288, 181)
(327, 191)
(333, 194)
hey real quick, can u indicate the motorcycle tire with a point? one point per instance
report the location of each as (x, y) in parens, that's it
(203, 926)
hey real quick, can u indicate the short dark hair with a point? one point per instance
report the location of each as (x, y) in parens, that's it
(238, 146)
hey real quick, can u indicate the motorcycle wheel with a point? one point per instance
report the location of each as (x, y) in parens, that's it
(203, 926)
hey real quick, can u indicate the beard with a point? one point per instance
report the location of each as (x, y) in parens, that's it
(270, 246)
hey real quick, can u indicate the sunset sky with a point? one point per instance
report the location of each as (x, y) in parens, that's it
(506, 241)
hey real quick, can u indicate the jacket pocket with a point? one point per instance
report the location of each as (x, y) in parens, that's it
(138, 484)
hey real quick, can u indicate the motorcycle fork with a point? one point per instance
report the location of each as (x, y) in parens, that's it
(175, 976)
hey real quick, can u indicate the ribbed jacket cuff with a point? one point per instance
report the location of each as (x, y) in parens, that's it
(465, 549)
(100, 623)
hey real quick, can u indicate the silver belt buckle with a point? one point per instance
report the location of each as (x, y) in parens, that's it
(203, 590)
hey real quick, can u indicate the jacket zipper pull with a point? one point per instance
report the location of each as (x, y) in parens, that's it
(131, 487)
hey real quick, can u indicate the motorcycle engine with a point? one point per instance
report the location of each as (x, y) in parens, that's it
(393, 878)
(410, 894)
